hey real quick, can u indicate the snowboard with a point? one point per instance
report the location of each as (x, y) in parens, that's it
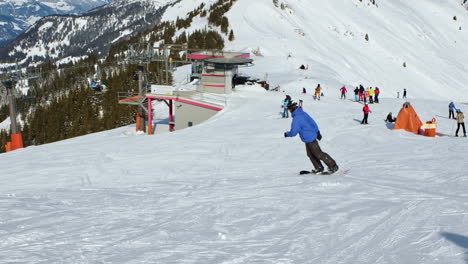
(324, 172)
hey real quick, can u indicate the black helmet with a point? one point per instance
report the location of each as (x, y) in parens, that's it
(292, 106)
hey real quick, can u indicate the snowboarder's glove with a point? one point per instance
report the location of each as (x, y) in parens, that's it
(285, 134)
(319, 136)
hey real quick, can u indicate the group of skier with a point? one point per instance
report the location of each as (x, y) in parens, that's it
(365, 95)
(309, 132)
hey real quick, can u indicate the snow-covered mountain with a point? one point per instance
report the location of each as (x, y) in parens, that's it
(17, 15)
(93, 32)
(227, 191)
(418, 45)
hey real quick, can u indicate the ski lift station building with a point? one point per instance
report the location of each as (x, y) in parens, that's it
(189, 107)
(217, 70)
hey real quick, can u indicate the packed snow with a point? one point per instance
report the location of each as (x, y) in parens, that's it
(228, 190)
(329, 36)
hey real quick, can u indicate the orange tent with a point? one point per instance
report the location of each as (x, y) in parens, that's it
(407, 119)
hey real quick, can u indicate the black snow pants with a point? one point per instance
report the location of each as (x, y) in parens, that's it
(316, 155)
(364, 120)
(451, 114)
(458, 128)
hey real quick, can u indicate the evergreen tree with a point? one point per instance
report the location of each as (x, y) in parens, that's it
(224, 25)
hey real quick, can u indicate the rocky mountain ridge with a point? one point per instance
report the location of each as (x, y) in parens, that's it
(17, 15)
(61, 36)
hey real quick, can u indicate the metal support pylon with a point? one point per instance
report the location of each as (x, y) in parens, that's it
(9, 81)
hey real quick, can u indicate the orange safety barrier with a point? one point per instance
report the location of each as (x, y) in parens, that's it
(430, 132)
(150, 128)
(430, 128)
(138, 122)
(16, 141)
(8, 146)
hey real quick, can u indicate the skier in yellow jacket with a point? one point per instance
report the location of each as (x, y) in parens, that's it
(371, 95)
(318, 91)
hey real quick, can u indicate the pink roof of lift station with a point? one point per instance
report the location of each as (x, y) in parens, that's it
(206, 54)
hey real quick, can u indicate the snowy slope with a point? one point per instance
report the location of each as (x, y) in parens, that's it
(329, 36)
(228, 191)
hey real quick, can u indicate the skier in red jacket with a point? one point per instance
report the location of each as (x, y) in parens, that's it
(366, 111)
(376, 95)
(343, 92)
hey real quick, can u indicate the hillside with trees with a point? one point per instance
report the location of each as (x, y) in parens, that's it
(62, 105)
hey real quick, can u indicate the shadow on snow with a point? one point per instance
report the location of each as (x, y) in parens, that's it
(459, 240)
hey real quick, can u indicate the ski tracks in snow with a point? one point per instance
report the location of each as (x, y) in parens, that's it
(391, 224)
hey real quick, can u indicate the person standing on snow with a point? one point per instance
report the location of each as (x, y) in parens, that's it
(308, 130)
(460, 122)
(366, 95)
(377, 92)
(286, 101)
(371, 95)
(318, 90)
(356, 94)
(361, 92)
(404, 93)
(343, 92)
(451, 110)
(366, 111)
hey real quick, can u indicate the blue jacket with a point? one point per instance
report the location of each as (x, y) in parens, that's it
(304, 125)
(451, 106)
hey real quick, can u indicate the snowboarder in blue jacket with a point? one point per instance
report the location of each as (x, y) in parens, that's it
(309, 133)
